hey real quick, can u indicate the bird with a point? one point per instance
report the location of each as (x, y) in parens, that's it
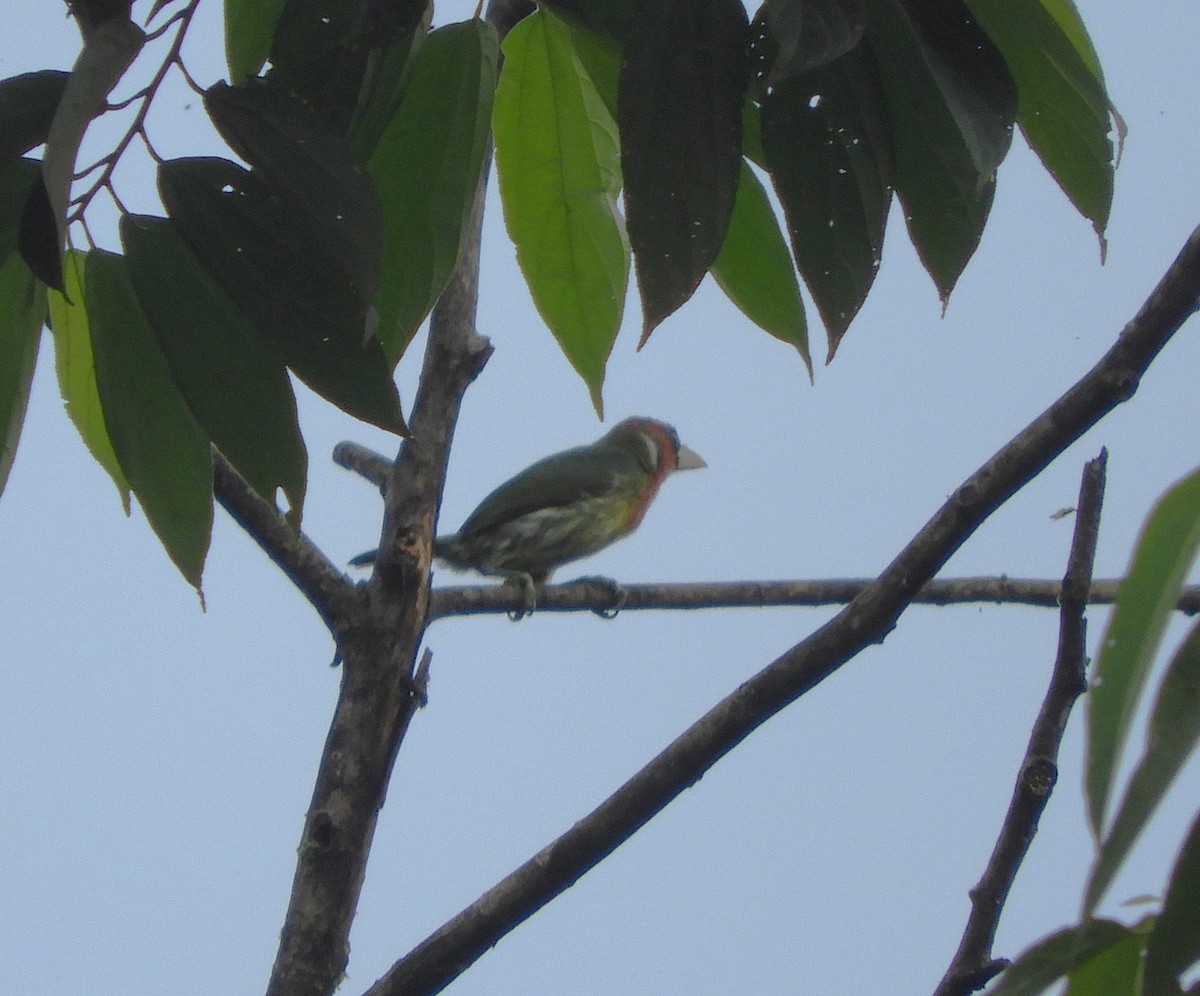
(565, 507)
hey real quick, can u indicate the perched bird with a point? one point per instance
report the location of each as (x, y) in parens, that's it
(567, 506)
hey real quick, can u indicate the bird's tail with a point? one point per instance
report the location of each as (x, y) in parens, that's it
(363, 559)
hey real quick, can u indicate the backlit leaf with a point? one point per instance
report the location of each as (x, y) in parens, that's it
(559, 166)
(77, 372)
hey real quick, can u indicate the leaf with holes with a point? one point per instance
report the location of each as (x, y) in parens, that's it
(313, 173)
(828, 144)
(683, 79)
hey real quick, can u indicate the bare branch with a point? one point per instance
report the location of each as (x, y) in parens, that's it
(584, 595)
(328, 589)
(973, 964)
(451, 949)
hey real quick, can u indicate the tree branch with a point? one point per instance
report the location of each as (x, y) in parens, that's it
(381, 680)
(457, 944)
(328, 589)
(584, 595)
(973, 966)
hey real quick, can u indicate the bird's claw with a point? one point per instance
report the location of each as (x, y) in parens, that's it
(619, 595)
(528, 596)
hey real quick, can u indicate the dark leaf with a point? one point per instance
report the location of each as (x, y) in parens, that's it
(17, 177)
(37, 236)
(163, 453)
(683, 79)
(22, 312)
(952, 103)
(249, 30)
(234, 383)
(291, 291)
(331, 54)
(426, 169)
(828, 146)
(27, 106)
(791, 36)
(310, 171)
(1174, 943)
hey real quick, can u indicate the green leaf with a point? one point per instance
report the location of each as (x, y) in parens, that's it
(236, 386)
(426, 168)
(1171, 737)
(684, 73)
(1041, 965)
(164, 454)
(76, 370)
(312, 172)
(283, 282)
(27, 106)
(829, 148)
(1174, 943)
(1116, 971)
(1164, 553)
(22, 311)
(1063, 107)
(755, 270)
(559, 165)
(600, 56)
(952, 103)
(249, 31)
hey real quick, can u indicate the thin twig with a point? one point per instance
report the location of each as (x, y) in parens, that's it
(973, 964)
(453, 947)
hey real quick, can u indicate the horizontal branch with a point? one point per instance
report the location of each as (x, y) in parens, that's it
(589, 595)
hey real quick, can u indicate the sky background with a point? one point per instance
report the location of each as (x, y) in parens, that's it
(158, 760)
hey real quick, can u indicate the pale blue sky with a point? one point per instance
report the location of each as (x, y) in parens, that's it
(158, 760)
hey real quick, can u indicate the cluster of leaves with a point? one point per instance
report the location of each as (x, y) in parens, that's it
(1100, 955)
(366, 138)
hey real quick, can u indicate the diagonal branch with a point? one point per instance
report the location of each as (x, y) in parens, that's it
(444, 955)
(973, 965)
(328, 589)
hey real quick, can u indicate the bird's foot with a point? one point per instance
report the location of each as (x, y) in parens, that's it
(528, 593)
(619, 595)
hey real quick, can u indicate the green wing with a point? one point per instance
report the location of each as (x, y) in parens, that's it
(557, 480)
